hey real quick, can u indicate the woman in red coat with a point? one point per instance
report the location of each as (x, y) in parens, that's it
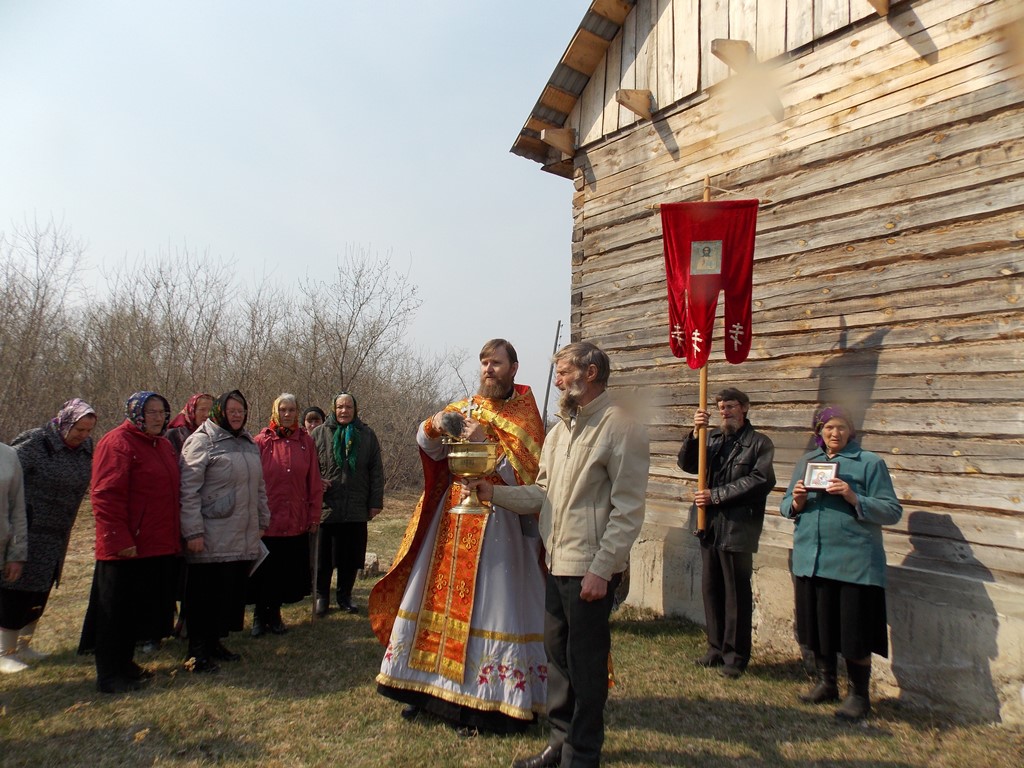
(135, 491)
(291, 472)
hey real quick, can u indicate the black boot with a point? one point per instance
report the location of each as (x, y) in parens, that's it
(827, 688)
(199, 660)
(259, 626)
(220, 652)
(274, 621)
(857, 703)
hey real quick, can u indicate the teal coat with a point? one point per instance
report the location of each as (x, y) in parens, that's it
(833, 540)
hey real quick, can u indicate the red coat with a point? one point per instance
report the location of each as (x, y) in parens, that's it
(291, 472)
(135, 488)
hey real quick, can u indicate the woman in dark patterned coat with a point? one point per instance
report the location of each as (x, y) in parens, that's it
(56, 460)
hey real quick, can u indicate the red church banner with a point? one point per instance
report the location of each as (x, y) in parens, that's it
(709, 247)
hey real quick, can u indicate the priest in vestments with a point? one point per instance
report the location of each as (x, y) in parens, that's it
(461, 612)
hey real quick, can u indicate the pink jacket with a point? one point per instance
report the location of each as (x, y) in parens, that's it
(291, 472)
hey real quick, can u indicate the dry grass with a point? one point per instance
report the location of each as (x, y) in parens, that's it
(308, 698)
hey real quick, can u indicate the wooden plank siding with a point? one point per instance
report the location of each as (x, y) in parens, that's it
(664, 46)
(889, 262)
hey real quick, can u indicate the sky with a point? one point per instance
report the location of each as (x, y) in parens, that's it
(282, 135)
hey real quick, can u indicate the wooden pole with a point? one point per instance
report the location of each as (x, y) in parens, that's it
(702, 434)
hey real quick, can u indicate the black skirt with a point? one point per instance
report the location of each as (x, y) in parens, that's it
(284, 576)
(840, 617)
(18, 608)
(138, 595)
(215, 598)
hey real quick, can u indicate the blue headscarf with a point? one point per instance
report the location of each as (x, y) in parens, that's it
(135, 409)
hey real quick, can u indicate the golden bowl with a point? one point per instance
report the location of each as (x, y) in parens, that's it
(472, 459)
(469, 461)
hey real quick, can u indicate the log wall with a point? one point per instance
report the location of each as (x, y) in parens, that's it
(663, 47)
(889, 154)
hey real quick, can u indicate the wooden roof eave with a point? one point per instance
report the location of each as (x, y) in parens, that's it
(586, 50)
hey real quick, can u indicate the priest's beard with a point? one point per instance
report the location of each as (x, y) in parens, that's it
(495, 388)
(570, 399)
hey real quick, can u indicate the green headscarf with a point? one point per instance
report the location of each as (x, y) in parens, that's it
(346, 437)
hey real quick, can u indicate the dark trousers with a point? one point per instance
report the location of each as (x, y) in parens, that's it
(341, 546)
(577, 640)
(117, 593)
(728, 603)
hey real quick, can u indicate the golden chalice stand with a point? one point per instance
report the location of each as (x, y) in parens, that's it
(471, 461)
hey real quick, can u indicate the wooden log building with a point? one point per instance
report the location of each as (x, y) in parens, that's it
(886, 142)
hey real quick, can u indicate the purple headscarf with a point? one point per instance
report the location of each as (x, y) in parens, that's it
(825, 415)
(69, 415)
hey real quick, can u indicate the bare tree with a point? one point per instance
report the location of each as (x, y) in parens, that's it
(39, 267)
(181, 323)
(358, 319)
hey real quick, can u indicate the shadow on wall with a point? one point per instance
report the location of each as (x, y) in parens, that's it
(944, 625)
(848, 377)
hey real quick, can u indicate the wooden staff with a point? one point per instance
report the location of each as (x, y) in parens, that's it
(315, 539)
(702, 433)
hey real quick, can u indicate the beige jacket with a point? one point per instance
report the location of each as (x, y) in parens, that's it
(590, 490)
(13, 528)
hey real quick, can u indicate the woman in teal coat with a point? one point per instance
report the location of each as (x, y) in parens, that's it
(838, 559)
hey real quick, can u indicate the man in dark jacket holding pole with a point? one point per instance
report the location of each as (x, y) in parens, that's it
(740, 477)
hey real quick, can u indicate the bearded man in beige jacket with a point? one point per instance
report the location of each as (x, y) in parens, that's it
(590, 493)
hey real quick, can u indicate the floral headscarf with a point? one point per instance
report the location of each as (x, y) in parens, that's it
(346, 438)
(220, 418)
(69, 414)
(275, 416)
(825, 415)
(135, 409)
(187, 417)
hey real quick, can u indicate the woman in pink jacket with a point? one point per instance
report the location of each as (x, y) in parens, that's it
(135, 487)
(291, 472)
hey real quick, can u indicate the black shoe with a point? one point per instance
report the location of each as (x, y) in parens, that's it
(321, 607)
(134, 672)
(466, 731)
(220, 653)
(410, 712)
(276, 624)
(118, 685)
(549, 758)
(347, 606)
(710, 659)
(258, 627)
(201, 665)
